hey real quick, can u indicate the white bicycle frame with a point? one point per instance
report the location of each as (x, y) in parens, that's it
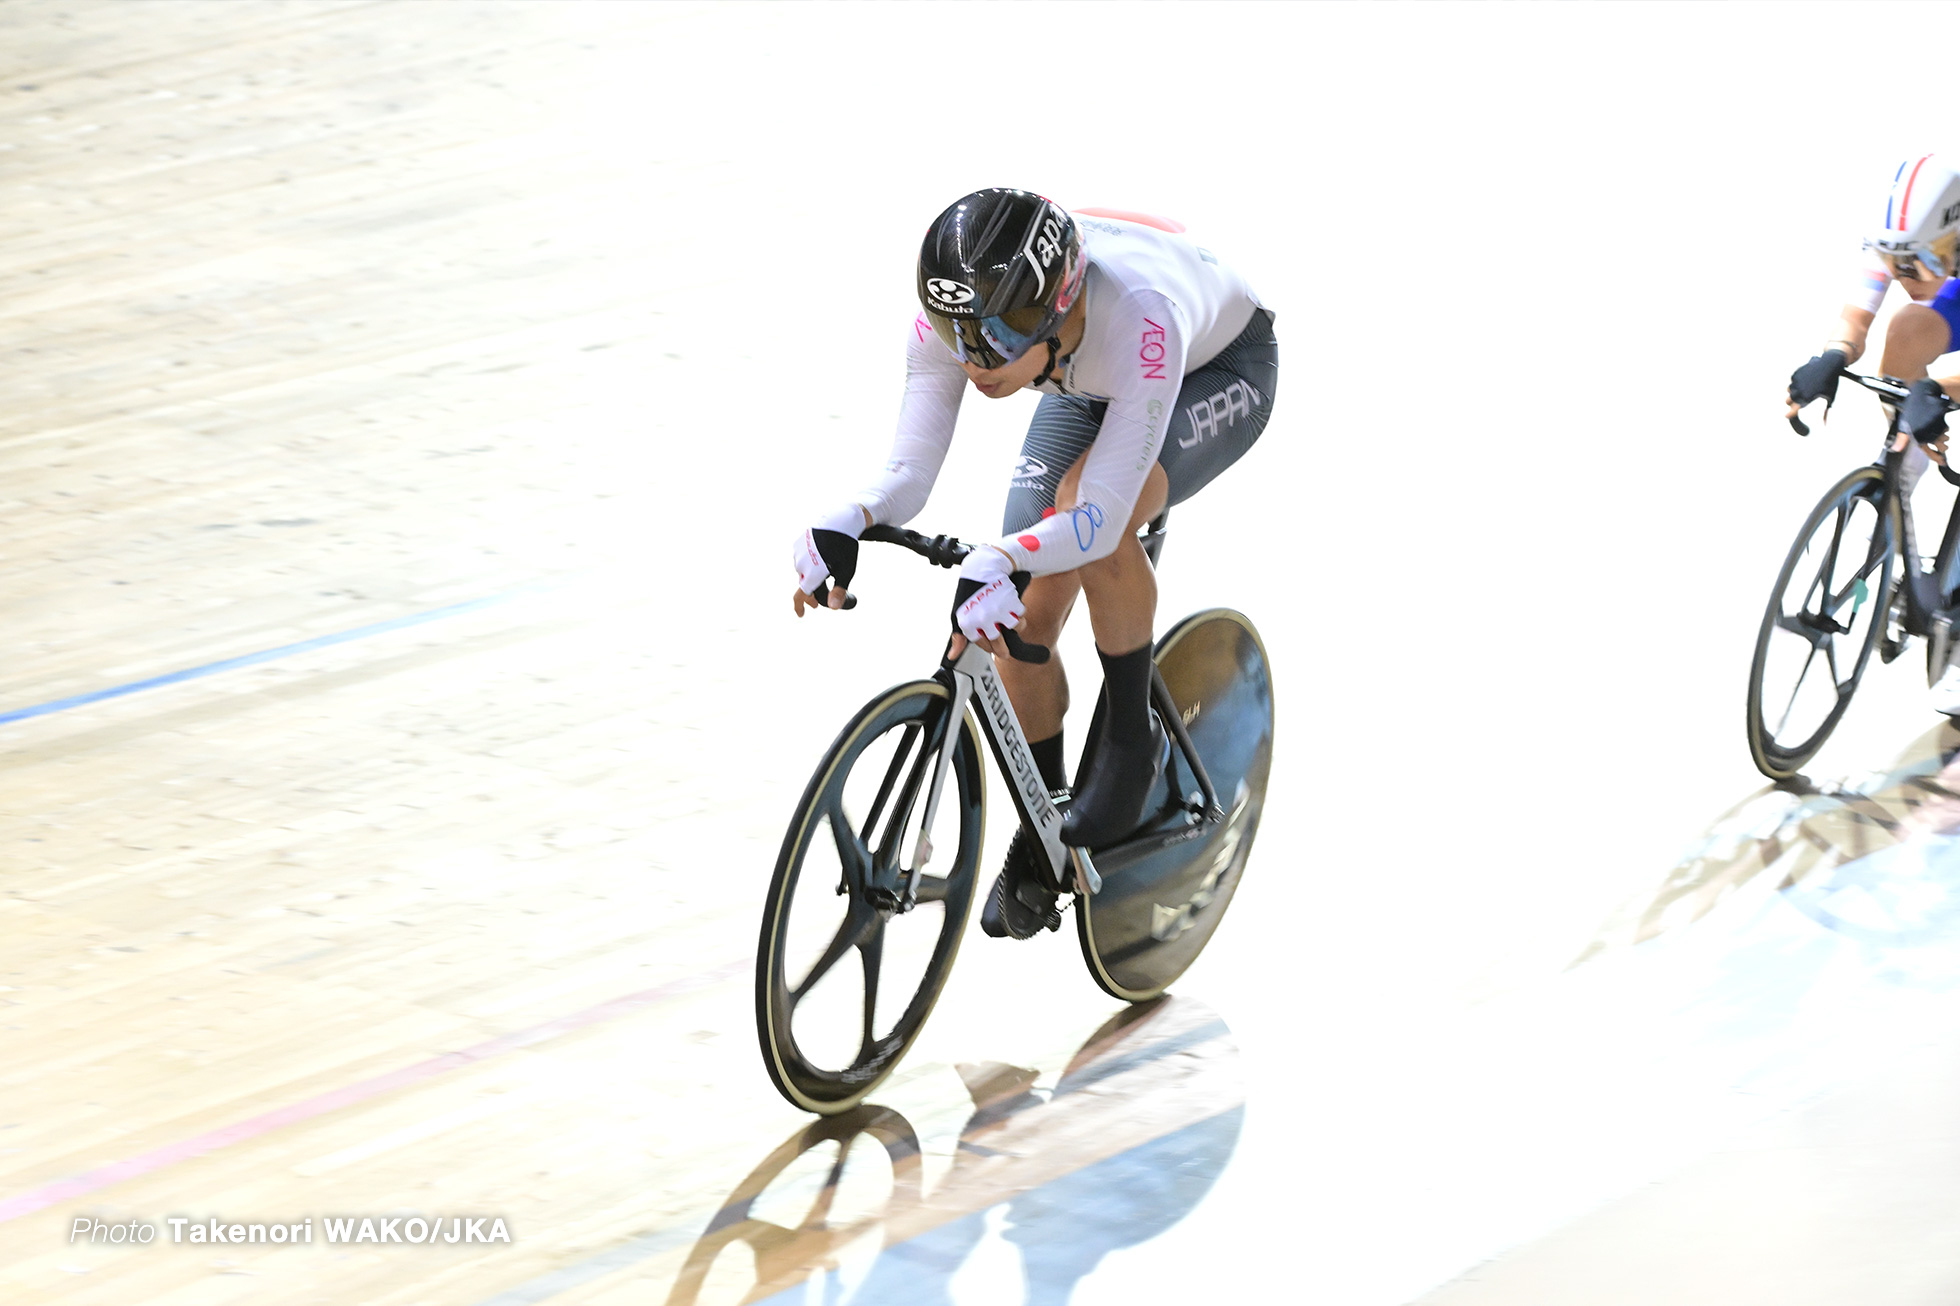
(976, 680)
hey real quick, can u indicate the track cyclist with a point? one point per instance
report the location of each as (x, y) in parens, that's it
(1918, 245)
(1157, 367)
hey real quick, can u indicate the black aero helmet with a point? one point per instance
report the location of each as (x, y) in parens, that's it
(999, 271)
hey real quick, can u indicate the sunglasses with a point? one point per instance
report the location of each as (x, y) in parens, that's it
(992, 342)
(1911, 264)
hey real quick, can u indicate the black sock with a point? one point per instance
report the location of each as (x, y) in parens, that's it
(1126, 690)
(1048, 760)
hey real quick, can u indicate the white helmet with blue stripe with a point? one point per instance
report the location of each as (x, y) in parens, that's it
(1922, 217)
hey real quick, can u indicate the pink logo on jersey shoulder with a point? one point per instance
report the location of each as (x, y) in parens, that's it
(923, 327)
(1029, 542)
(1151, 353)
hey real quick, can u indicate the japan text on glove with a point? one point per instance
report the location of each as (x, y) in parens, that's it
(985, 602)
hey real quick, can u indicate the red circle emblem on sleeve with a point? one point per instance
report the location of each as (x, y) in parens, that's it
(1029, 542)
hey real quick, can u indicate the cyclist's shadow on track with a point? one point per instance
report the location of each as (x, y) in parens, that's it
(1874, 858)
(1042, 1157)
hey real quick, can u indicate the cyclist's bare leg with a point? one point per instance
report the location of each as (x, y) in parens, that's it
(1122, 609)
(1122, 593)
(1039, 691)
(1122, 587)
(1913, 339)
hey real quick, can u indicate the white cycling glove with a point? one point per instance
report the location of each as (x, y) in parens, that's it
(829, 550)
(985, 602)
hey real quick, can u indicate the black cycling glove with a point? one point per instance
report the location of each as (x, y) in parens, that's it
(1817, 379)
(839, 553)
(1923, 414)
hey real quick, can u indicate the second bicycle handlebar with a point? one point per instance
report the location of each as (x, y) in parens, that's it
(940, 551)
(1882, 386)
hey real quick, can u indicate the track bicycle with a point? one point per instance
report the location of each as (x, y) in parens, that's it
(902, 789)
(1837, 598)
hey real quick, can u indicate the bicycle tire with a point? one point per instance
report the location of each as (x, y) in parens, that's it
(918, 708)
(1775, 758)
(1160, 906)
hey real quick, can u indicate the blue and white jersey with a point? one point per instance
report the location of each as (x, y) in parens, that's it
(1874, 280)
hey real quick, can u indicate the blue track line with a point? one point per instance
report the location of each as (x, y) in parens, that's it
(254, 659)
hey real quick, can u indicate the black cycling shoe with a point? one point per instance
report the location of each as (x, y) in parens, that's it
(1021, 904)
(1111, 801)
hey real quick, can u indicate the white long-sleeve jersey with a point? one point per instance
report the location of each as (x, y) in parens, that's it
(1156, 307)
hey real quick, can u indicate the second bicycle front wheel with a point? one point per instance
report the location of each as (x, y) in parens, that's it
(1824, 617)
(854, 946)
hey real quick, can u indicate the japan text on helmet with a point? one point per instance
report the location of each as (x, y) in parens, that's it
(998, 272)
(1922, 217)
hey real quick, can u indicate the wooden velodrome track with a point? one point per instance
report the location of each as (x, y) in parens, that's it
(404, 406)
(372, 845)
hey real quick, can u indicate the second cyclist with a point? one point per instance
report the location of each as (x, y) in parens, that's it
(1917, 245)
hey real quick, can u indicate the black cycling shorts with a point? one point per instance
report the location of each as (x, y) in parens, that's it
(1221, 409)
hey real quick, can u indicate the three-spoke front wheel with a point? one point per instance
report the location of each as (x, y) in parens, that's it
(859, 933)
(1827, 612)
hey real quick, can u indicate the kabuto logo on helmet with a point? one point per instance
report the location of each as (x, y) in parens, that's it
(948, 292)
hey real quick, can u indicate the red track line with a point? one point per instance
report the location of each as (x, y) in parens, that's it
(36, 1199)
